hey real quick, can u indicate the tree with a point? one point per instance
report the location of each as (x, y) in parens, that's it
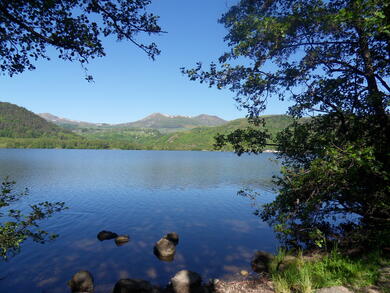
(74, 28)
(331, 59)
(19, 227)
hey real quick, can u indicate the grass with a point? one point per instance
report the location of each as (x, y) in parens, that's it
(303, 274)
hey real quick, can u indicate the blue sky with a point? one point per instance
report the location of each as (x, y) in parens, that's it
(128, 85)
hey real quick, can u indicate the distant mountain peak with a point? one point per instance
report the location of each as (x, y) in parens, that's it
(155, 120)
(156, 115)
(60, 120)
(164, 121)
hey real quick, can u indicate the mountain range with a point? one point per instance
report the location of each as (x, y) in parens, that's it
(20, 128)
(162, 122)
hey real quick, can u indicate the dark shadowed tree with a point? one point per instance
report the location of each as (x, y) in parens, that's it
(75, 28)
(331, 59)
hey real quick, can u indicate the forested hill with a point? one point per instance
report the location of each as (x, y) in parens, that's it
(18, 122)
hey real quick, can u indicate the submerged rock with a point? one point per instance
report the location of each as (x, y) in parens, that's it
(186, 282)
(134, 286)
(121, 239)
(261, 261)
(81, 282)
(106, 235)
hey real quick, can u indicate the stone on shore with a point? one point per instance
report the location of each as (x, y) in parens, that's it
(134, 286)
(106, 235)
(81, 282)
(261, 261)
(384, 277)
(187, 282)
(336, 289)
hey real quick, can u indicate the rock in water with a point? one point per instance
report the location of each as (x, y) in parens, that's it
(168, 258)
(121, 239)
(134, 286)
(261, 261)
(173, 236)
(106, 235)
(186, 282)
(165, 247)
(82, 281)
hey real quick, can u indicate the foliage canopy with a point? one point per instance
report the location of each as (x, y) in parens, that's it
(331, 59)
(74, 28)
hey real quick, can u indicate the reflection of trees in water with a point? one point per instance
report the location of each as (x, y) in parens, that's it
(16, 226)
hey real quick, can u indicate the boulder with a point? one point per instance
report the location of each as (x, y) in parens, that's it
(336, 289)
(168, 258)
(172, 236)
(106, 235)
(261, 261)
(134, 286)
(121, 239)
(165, 247)
(81, 282)
(186, 282)
(370, 289)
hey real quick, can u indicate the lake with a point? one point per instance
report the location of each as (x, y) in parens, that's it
(144, 194)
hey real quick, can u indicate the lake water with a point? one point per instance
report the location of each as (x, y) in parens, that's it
(144, 194)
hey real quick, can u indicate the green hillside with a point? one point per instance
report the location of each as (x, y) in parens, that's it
(17, 122)
(200, 138)
(20, 128)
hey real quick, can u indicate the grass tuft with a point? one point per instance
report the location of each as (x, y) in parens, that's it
(302, 274)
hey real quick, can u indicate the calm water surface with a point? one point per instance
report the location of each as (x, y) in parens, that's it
(144, 194)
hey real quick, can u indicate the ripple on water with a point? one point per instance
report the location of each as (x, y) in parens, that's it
(144, 194)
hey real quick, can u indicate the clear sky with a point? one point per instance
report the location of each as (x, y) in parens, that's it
(128, 85)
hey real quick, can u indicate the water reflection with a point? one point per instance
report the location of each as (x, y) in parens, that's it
(144, 195)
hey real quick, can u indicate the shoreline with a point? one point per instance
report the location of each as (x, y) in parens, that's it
(135, 149)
